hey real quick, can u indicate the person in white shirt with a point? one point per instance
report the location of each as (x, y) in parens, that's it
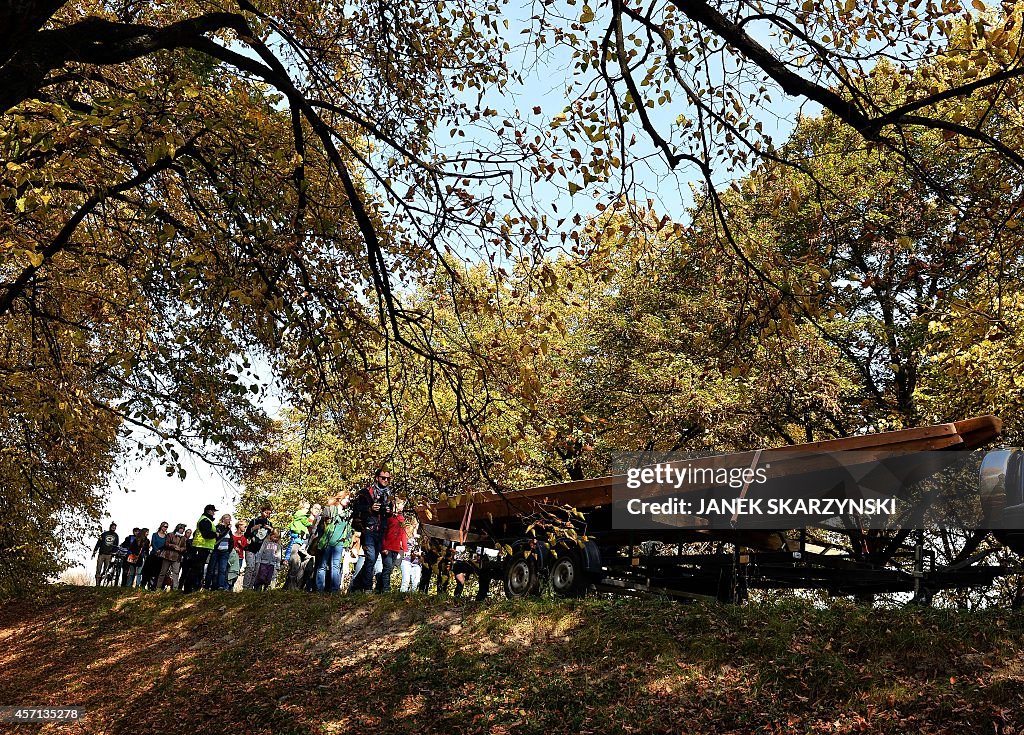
(411, 569)
(352, 557)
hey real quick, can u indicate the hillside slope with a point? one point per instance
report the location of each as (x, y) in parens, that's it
(297, 664)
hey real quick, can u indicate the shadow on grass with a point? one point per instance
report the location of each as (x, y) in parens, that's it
(298, 664)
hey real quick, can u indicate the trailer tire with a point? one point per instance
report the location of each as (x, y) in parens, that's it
(521, 576)
(567, 576)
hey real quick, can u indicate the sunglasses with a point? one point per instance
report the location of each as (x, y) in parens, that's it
(383, 478)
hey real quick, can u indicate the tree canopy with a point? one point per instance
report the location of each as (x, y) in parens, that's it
(201, 199)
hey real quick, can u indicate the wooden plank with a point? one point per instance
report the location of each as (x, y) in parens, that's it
(448, 534)
(988, 423)
(539, 490)
(976, 433)
(597, 492)
(796, 460)
(849, 443)
(499, 508)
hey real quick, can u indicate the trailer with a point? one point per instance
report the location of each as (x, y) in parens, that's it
(703, 560)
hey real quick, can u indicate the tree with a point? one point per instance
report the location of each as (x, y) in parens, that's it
(706, 86)
(718, 69)
(634, 342)
(973, 361)
(193, 189)
(190, 191)
(864, 252)
(365, 88)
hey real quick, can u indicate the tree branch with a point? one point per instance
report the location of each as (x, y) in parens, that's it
(99, 41)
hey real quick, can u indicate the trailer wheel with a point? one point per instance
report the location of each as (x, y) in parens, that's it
(923, 597)
(521, 577)
(566, 575)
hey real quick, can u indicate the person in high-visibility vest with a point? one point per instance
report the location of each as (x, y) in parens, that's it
(203, 539)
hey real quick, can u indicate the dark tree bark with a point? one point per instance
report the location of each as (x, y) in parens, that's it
(99, 41)
(19, 21)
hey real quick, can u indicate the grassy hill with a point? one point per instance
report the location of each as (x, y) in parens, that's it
(297, 664)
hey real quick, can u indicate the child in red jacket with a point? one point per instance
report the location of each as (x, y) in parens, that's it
(396, 544)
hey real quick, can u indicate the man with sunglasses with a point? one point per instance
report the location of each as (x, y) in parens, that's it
(373, 506)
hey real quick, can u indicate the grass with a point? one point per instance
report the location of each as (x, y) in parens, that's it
(289, 663)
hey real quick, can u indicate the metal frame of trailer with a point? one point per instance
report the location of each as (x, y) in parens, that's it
(732, 573)
(665, 562)
(726, 575)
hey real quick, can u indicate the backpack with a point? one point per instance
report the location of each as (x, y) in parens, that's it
(334, 529)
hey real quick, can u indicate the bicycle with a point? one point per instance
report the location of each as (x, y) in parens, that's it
(111, 576)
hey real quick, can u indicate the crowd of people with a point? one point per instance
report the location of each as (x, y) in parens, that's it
(355, 542)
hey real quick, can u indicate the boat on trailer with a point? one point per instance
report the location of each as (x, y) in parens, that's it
(697, 556)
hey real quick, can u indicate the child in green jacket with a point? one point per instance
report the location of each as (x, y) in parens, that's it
(298, 529)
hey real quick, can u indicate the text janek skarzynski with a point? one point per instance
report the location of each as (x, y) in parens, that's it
(764, 506)
(736, 477)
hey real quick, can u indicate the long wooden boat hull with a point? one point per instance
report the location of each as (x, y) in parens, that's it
(901, 458)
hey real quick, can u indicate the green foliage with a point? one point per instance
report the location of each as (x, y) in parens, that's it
(973, 363)
(136, 329)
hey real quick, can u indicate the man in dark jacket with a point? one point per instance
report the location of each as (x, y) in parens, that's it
(105, 546)
(371, 511)
(203, 539)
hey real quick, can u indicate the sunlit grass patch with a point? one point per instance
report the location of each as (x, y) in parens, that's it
(300, 663)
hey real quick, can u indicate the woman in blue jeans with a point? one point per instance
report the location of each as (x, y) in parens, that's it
(330, 561)
(223, 547)
(334, 533)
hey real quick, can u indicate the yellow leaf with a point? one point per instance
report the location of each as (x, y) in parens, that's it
(588, 14)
